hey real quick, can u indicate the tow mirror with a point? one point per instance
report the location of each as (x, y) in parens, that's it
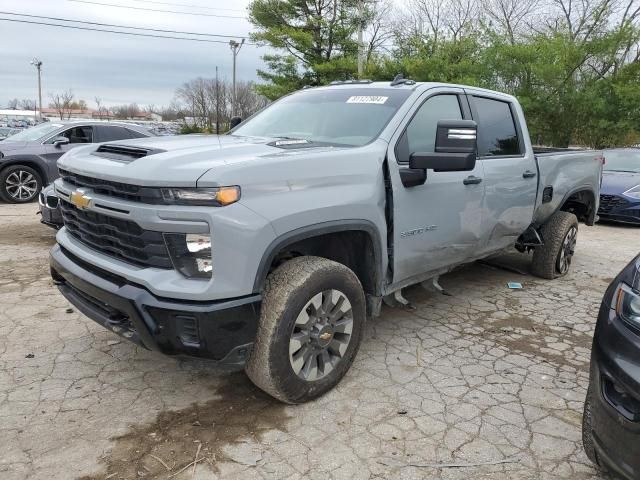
(455, 148)
(234, 122)
(59, 141)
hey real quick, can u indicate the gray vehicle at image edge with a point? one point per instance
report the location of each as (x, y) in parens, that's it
(28, 158)
(270, 246)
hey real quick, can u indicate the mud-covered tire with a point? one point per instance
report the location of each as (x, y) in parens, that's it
(587, 432)
(19, 184)
(287, 293)
(547, 259)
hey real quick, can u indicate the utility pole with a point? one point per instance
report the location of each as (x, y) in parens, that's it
(38, 64)
(235, 49)
(360, 39)
(217, 104)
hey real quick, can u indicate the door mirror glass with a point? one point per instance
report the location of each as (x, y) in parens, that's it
(59, 141)
(455, 148)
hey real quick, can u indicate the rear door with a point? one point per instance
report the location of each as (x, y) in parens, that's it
(436, 223)
(510, 172)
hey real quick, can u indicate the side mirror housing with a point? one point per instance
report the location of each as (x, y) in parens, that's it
(234, 122)
(455, 149)
(59, 141)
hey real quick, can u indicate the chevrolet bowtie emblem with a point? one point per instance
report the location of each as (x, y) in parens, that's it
(325, 336)
(80, 199)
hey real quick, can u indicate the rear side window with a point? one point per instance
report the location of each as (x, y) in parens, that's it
(110, 133)
(134, 134)
(497, 134)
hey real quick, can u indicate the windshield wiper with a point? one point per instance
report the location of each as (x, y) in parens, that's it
(623, 171)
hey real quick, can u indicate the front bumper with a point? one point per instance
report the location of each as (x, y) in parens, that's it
(617, 208)
(223, 331)
(615, 368)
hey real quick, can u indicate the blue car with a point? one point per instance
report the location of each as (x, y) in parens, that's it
(620, 191)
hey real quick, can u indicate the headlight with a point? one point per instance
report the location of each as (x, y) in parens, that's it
(207, 197)
(633, 192)
(190, 253)
(628, 305)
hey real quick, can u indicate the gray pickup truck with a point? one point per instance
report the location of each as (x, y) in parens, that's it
(270, 246)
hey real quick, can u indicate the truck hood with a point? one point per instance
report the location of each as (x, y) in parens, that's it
(170, 161)
(615, 183)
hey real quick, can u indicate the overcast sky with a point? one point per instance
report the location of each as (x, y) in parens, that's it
(119, 68)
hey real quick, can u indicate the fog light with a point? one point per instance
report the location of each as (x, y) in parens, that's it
(190, 253)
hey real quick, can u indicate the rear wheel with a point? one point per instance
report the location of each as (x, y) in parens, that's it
(311, 325)
(19, 184)
(554, 258)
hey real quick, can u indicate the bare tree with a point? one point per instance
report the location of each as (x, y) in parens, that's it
(195, 96)
(379, 27)
(12, 104)
(247, 100)
(443, 20)
(103, 112)
(26, 104)
(62, 103)
(508, 17)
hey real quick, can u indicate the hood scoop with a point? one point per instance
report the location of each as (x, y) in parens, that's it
(124, 153)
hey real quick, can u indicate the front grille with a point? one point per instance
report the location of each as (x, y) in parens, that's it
(116, 237)
(126, 191)
(610, 202)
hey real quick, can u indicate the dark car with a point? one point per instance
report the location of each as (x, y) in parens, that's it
(28, 158)
(620, 191)
(611, 422)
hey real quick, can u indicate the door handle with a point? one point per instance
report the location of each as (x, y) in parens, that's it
(528, 174)
(472, 180)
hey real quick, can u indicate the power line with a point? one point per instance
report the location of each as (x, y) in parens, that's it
(191, 5)
(156, 10)
(58, 19)
(118, 32)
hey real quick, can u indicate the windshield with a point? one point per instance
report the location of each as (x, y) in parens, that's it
(622, 161)
(338, 116)
(34, 133)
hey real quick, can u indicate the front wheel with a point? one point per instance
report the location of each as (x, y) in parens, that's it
(311, 325)
(559, 234)
(19, 184)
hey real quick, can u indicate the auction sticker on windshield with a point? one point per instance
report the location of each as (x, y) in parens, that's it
(377, 100)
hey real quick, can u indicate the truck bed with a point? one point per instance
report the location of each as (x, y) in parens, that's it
(563, 173)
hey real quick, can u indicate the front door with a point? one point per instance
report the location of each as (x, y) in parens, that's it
(436, 224)
(78, 135)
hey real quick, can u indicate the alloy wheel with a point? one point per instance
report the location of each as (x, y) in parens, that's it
(567, 250)
(321, 335)
(21, 185)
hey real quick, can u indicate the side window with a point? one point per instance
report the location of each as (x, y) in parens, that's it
(110, 133)
(421, 132)
(78, 134)
(497, 134)
(134, 134)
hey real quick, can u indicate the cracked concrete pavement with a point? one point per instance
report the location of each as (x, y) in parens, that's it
(486, 375)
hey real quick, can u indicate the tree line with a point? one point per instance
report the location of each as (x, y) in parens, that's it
(573, 64)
